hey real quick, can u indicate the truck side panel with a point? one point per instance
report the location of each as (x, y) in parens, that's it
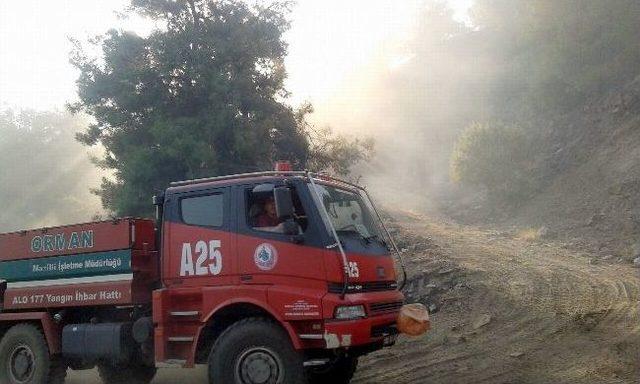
(70, 295)
(201, 304)
(65, 267)
(104, 263)
(76, 239)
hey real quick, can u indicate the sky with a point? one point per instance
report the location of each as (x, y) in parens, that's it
(330, 42)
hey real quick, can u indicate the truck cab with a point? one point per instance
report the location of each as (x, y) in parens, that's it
(307, 251)
(271, 277)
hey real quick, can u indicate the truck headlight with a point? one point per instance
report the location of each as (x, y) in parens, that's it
(349, 312)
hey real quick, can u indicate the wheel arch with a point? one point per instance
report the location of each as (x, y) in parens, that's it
(227, 314)
(43, 320)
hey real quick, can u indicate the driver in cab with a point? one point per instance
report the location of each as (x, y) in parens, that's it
(268, 220)
(268, 217)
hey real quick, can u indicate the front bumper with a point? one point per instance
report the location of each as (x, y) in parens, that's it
(382, 312)
(351, 333)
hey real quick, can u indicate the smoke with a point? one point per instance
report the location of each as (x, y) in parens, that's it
(414, 98)
(46, 175)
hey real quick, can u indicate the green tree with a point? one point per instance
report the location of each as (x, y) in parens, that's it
(200, 96)
(337, 154)
(332, 153)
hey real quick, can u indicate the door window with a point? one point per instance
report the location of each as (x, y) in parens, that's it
(261, 213)
(205, 210)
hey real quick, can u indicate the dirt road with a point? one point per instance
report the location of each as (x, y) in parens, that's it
(506, 311)
(512, 311)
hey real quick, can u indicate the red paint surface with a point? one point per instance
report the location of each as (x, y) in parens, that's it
(294, 291)
(358, 332)
(176, 235)
(107, 236)
(77, 295)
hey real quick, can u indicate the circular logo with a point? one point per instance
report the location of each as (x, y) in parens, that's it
(265, 256)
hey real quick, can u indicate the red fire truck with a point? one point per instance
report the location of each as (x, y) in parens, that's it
(271, 277)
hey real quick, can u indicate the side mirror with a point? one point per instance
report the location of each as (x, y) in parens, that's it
(284, 203)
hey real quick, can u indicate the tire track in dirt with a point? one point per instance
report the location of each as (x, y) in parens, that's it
(554, 317)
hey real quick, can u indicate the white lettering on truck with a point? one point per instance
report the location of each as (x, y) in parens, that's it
(353, 270)
(208, 261)
(62, 241)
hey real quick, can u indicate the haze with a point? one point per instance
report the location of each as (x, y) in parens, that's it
(339, 55)
(506, 159)
(330, 42)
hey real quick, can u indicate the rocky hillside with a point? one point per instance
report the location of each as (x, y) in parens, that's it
(589, 193)
(594, 172)
(508, 310)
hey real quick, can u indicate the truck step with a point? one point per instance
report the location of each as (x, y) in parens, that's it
(315, 363)
(181, 339)
(185, 313)
(311, 336)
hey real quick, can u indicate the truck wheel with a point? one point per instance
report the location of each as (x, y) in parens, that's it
(25, 359)
(338, 371)
(255, 351)
(114, 374)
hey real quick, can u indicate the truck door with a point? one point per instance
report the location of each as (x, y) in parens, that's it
(265, 254)
(199, 246)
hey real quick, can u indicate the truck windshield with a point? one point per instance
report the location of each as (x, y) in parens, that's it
(348, 212)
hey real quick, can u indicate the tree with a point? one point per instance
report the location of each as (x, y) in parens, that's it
(200, 96)
(46, 174)
(497, 158)
(329, 152)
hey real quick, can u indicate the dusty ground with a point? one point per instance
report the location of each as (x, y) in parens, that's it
(512, 311)
(506, 310)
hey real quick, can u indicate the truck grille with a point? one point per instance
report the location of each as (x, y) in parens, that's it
(390, 306)
(369, 286)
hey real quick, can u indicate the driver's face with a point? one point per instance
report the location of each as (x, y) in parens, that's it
(270, 207)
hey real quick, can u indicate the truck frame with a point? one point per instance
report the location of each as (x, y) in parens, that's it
(206, 282)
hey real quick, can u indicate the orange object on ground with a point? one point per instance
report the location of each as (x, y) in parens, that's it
(413, 319)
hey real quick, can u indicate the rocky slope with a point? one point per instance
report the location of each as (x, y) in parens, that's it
(509, 310)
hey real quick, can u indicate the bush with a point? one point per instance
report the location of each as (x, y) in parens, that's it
(498, 158)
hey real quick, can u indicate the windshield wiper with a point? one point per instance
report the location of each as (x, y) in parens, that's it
(354, 229)
(376, 237)
(351, 228)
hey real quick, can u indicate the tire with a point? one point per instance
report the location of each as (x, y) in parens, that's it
(252, 351)
(338, 371)
(115, 374)
(25, 359)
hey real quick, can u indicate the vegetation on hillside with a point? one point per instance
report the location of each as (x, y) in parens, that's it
(545, 59)
(553, 55)
(498, 159)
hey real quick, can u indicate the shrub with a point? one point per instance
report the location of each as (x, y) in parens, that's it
(498, 158)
